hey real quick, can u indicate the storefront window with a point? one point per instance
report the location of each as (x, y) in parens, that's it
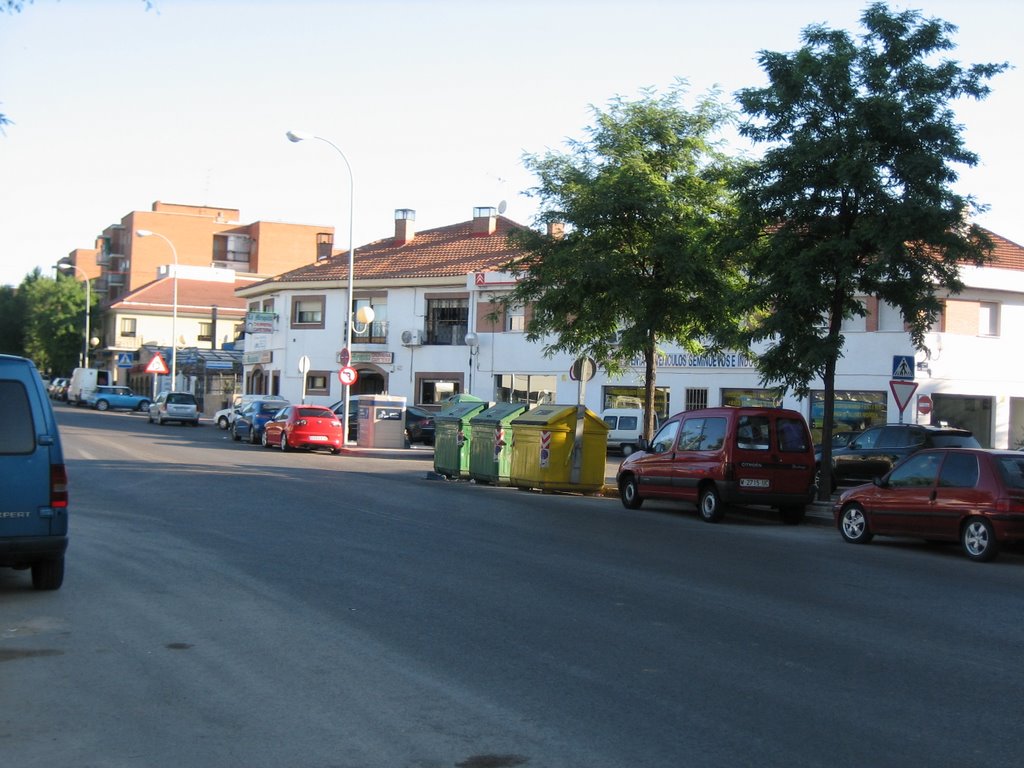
(854, 411)
(524, 388)
(757, 398)
(633, 397)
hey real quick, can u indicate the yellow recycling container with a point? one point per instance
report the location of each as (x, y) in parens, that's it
(490, 450)
(543, 449)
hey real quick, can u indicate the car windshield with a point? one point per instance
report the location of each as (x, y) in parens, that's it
(1012, 470)
(270, 407)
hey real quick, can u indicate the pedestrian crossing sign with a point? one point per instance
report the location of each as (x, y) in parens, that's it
(903, 367)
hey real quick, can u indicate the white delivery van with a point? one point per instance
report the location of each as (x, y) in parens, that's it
(84, 382)
(625, 428)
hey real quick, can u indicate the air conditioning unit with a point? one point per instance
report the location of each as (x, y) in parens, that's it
(412, 338)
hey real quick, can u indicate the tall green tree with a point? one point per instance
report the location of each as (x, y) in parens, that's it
(853, 196)
(646, 207)
(54, 321)
(12, 321)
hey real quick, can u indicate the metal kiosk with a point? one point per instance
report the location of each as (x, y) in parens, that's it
(381, 422)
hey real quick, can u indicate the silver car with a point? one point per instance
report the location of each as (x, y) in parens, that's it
(175, 406)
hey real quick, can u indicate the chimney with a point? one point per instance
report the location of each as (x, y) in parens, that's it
(485, 221)
(556, 230)
(405, 225)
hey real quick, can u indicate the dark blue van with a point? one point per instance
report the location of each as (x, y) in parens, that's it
(34, 499)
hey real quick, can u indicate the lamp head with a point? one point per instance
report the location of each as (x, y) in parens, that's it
(143, 232)
(297, 136)
(365, 315)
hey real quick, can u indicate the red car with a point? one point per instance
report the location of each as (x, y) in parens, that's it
(304, 426)
(971, 495)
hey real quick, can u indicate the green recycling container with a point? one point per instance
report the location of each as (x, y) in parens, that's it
(452, 437)
(543, 450)
(490, 453)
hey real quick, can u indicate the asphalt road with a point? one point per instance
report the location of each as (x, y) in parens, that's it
(227, 605)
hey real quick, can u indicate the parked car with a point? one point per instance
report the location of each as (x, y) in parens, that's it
(419, 425)
(338, 409)
(717, 456)
(84, 382)
(224, 417)
(253, 417)
(625, 428)
(34, 502)
(971, 495)
(58, 389)
(174, 406)
(876, 450)
(105, 398)
(304, 426)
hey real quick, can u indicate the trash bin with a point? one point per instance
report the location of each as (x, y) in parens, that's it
(543, 455)
(490, 452)
(452, 437)
(381, 421)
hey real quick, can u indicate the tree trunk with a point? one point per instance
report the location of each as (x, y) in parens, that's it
(650, 378)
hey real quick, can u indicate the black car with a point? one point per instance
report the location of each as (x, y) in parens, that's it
(876, 450)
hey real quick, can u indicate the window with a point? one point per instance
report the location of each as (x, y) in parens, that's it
(792, 435)
(959, 470)
(524, 388)
(702, 434)
(752, 433)
(447, 321)
(696, 398)
(17, 430)
(665, 438)
(128, 325)
(988, 318)
(318, 383)
(308, 312)
(919, 471)
(437, 389)
(205, 332)
(515, 318)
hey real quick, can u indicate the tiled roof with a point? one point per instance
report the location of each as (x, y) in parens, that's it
(1006, 254)
(159, 296)
(450, 251)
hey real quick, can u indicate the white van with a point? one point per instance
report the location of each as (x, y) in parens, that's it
(625, 428)
(84, 382)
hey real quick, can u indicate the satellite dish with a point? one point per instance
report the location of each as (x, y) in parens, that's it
(502, 206)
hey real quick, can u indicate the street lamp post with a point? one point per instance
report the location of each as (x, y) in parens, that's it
(174, 300)
(297, 136)
(63, 266)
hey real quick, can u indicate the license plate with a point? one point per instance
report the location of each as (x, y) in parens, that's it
(753, 482)
(317, 438)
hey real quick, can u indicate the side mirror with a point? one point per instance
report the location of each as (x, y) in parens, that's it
(881, 482)
(642, 444)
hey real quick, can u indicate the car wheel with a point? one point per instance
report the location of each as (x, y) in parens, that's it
(48, 574)
(284, 441)
(629, 492)
(794, 514)
(853, 525)
(627, 449)
(222, 422)
(710, 505)
(159, 420)
(234, 434)
(253, 439)
(263, 439)
(149, 417)
(102, 405)
(143, 406)
(979, 540)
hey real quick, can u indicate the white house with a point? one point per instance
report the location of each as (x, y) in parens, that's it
(429, 290)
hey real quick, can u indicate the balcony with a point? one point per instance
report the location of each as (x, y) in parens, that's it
(377, 333)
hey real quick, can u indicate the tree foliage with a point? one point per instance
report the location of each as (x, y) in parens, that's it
(853, 195)
(646, 206)
(44, 319)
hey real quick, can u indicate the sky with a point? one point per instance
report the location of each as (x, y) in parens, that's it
(434, 103)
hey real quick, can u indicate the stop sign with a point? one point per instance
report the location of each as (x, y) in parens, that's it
(924, 404)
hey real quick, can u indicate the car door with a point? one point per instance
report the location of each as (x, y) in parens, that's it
(907, 496)
(957, 494)
(700, 454)
(654, 468)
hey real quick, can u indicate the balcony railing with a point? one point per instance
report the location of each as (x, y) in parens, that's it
(377, 333)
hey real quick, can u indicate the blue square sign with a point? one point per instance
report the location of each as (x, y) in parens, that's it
(903, 367)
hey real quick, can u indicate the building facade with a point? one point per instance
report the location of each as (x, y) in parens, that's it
(437, 332)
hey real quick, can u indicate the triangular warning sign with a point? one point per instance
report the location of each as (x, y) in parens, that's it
(903, 391)
(157, 365)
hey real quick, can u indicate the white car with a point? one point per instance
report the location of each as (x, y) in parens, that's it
(225, 417)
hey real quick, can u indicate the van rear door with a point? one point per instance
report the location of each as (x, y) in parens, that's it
(25, 504)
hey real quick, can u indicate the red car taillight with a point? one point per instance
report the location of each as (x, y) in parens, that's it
(300, 423)
(1010, 505)
(58, 486)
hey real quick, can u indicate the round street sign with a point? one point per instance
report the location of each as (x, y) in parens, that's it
(344, 357)
(304, 365)
(924, 404)
(347, 375)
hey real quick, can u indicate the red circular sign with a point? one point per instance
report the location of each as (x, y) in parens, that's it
(924, 404)
(348, 375)
(344, 357)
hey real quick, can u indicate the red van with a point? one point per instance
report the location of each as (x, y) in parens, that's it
(719, 456)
